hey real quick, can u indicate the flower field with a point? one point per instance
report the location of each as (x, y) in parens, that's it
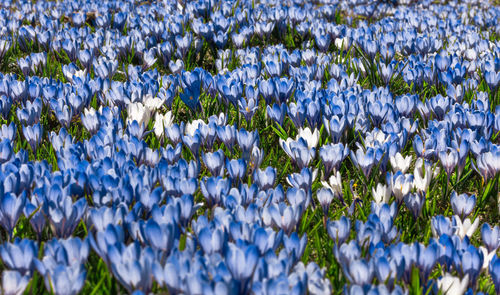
(249, 147)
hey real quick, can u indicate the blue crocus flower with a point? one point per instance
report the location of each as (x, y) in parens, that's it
(322, 41)
(426, 259)
(212, 241)
(241, 261)
(236, 169)
(11, 208)
(387, 270)
(462, 204)
(283, 216)
(441, 225)
(191, 83)
(6, 151)
(491, 237)
(64, 215)
(65, 279)
(360, 272)
(266, 239)
(471, 262)
(174, 133)
(492, 79)
(277, 113)
(332, 156)
(297, 112)
(214, 189)
(37, 219)
(71, 251)
(111, 235)
(364, 160)
(265, 179)
(494, 270)
(335, 127)
(295, 246)
(5, 105)
(267, 89)
(449, 160)
(325, 198)
(19, 255)
(193, 143)
(214, 162)
(33, 135)
(284, 89)
(298, 151)
(132, 266)
(227, 134)
(247, 141)
(208, 134)
(230, 88)
(248, 108)
(159, 236)
(339, 230)
(273, 65)
(415, 202)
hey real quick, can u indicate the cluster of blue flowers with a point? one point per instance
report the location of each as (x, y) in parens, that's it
(196, 146)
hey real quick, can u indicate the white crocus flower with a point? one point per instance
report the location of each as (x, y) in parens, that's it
(451, 285)
(376, 138)
(309, 136)
(488, 256)
(191, 127)
(82, 74)
(334, 183)
(400, 163)
(401, 186)
(153, 103)
(90, 111)
(342, 43)
(465, 228)
(138, 112)
(162, 122)
(381, 194)
(422, 175)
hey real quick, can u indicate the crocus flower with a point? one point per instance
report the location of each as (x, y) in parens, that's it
(339, 230)
(415, 202)
(381, 194)
(19, 255)
(449, 284)
(401, 184)
(490, 237)
(462, 204)
(138, 112)
(465, 227)
(311, 137)
(11, 208)
(449, 160)
(13, 282)
(494, 271)
(33, 135)
(132, 266)
(241, 262)
(162, 122)
(325, 198)
(332, 156)
(334, 184)
(400, 163)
